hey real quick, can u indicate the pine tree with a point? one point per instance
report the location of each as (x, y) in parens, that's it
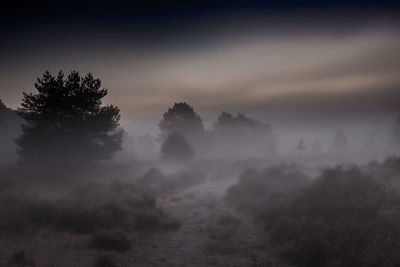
(66, 121)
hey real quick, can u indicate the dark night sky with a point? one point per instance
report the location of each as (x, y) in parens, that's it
(261, 57)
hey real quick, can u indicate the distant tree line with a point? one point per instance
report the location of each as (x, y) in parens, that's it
(183, 133)
(65, 122)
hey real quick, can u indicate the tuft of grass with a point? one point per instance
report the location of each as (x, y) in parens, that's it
(218, 247)
(227, 219)
(104, 260)
(219, 234)
(21, 258)
(109, 242)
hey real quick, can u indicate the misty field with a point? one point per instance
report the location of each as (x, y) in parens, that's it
(280, 215)
(78, 190)
(173, 133)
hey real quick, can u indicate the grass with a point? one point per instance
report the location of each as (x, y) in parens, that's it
(21, 258)
(105, 260)
(110, 242)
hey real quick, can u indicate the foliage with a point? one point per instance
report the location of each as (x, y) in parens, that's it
(176, 148)
(109, 241)
(396, 131)
(339, 142)
(182, 119)
(22, 258)
(66, 122)
(88, 209)
(105, 260)
(155, 181)
(252, 138)
(9, 129)
(270, 187)
(240, 122)
(345, 218)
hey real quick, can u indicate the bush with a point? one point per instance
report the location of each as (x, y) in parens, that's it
(176, 148)
(87, 210)
(109, 241)
(20, 258)
(228, 219)
(271, 187)
(155, 181)
(104, 260)
(345, 218)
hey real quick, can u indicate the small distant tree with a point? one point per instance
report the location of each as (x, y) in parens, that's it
(396, 131)
(66, 121)
(301, 146)
(249, 136)
(2, 106)
(9, 120)
(9, 130)
(339, 142)
(241, 124)
(176, 148)
(181, 118)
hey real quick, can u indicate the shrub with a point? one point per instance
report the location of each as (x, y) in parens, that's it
(21, 258)
(228, 219)
(109, 241)
(104, 260)
(271, 187)
(87, 210)
(176, 148)
(155, 181)
(345, 218)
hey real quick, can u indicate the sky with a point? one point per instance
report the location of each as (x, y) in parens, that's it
(274, 60)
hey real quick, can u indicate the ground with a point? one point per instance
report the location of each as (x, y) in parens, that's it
(211, 234)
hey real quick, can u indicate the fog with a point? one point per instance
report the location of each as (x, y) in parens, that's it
(237, 133)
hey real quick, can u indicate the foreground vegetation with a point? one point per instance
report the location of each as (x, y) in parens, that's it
(347, 216)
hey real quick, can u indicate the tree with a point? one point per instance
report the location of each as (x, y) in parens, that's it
(181, 118)
(301, 146)
(396, 131)
(339, 142)
(9, 129)
(251, 138)
(240, 124)
(66, 121)
(176, 148)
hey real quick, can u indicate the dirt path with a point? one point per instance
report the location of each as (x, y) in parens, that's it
(212, 234)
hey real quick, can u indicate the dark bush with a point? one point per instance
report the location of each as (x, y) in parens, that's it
(109, 241)
(345, 218)
(155, 181)
(21, 258)
(104, 260)
(176, 148)
(87, 210)
(271, 187)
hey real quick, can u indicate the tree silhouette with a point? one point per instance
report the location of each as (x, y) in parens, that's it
(240, 124)
(396, 131)
(66, 122)
(9, 123)
(176, 148)
(339, 142)
(181, 118)
(249, 135)
(301, 146)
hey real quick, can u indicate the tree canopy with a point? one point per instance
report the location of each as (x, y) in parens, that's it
(181, 118)
(240, 123)
(176, 148)
(66, 121)
(339, 142)
(396, 131)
